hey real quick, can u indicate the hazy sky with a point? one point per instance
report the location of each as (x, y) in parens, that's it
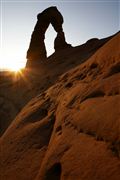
(82, 20)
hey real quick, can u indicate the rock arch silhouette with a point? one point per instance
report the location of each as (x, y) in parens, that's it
(37, 49)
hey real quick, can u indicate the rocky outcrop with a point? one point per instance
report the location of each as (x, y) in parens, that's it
(17, 89)
(72, 130)
(37, 50)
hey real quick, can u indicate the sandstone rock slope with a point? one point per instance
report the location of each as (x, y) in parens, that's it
(17, 89)
(72, 130)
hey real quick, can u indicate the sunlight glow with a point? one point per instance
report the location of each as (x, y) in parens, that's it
(12, 63)
(12, 57)
(12, 66)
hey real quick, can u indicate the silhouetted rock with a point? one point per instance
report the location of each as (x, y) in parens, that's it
(37, 50)
(60, 42)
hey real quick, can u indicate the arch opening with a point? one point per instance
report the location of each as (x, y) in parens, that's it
(49, 40)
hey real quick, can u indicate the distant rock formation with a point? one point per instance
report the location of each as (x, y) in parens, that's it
(37, 50)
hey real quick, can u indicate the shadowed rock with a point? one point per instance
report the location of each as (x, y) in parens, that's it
(39, 79)
(37, 50)
(60, 42)
(71, 130)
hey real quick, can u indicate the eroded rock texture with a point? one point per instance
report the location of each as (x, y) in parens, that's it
(33, 81)
(71, 130)
(37, 50)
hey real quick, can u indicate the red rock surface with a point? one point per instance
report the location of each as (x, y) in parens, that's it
(72, 130)
(17, 89)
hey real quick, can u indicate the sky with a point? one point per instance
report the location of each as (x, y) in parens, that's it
(83, 20)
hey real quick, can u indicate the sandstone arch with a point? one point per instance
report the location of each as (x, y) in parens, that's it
(37, 49)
